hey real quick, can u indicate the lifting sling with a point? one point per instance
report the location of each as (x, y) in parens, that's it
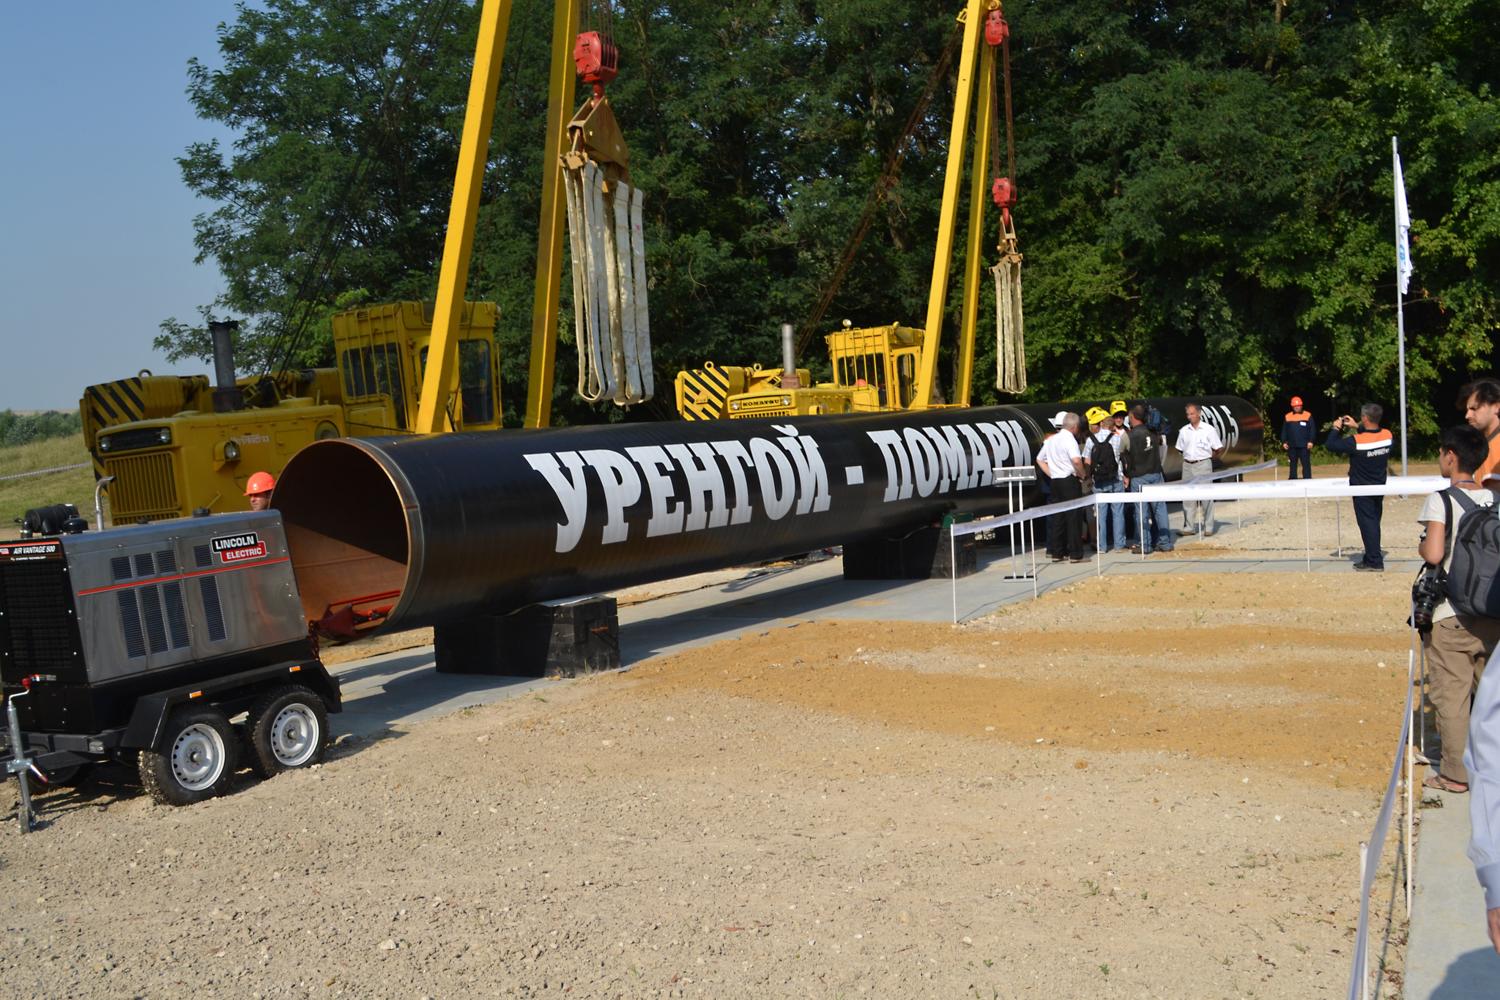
(1010, 339)
(610, 316)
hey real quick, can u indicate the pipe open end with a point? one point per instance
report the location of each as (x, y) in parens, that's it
(348, 535)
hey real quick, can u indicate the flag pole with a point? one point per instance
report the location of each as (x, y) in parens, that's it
(1400, 315)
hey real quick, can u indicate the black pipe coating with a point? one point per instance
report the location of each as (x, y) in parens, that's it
(441, 528)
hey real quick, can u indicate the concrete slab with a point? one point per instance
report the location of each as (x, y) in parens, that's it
(395, 690)
(1448, 955)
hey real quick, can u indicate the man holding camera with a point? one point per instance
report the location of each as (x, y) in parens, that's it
(1369, 449)
(1457, 646)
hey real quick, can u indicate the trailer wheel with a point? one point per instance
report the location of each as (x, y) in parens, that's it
(197, 759)
(288, 728)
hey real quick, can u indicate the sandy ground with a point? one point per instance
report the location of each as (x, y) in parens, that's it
(1148, 787)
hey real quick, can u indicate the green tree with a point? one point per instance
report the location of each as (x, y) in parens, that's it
(1206, 185)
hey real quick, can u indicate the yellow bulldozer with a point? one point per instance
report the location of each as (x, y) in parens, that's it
(171, 444)
(168, 445)
(894, 367)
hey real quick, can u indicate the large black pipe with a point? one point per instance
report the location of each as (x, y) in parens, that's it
(460, 524)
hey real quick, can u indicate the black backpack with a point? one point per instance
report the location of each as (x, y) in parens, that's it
(1104, 461)
(1473, 587)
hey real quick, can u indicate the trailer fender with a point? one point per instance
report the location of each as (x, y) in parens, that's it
(149, 717)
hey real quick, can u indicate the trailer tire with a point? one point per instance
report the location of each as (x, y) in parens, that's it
(197, 761)
(287, 729)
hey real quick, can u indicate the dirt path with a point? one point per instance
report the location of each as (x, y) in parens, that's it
(1152, 788)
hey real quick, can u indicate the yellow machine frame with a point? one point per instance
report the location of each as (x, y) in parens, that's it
(895, 367)
(182, 455)
(441, 380)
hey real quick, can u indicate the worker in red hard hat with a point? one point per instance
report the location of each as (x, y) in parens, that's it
(1297, 430)
(258, 488)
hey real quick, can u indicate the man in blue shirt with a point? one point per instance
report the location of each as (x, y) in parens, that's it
(1369, 449)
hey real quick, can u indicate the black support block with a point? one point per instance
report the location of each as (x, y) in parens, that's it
(553, 639)
(923, 554)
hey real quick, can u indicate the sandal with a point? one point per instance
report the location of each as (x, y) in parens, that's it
(1443, 784)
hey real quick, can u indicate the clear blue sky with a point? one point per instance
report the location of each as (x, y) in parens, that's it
(96, 226)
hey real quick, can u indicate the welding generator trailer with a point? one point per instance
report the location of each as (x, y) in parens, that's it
(178, 646)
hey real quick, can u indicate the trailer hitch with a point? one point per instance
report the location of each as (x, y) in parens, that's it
(21, 765)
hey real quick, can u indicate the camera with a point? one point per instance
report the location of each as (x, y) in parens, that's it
(1428, 591)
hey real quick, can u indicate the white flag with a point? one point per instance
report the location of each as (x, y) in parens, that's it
(1403, 226)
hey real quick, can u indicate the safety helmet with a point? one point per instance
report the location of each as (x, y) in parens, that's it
(259, 482)
(1296, 400)
(1118, 406)
(1096, 415)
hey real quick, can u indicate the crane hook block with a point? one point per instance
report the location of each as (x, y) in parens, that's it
(1004, 192)
(996, 31)
(596, 57)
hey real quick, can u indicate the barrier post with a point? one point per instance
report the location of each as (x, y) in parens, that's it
(953, 570)
(1307, 517)
(1364, 977)
(1338, 522)
(1098, 552)
(1239, 513)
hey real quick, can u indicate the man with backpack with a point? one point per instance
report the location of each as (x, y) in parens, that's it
(1461, 637)
(1102, 455)
(1369, 450)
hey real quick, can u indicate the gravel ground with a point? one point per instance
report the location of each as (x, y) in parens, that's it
(1152, 787)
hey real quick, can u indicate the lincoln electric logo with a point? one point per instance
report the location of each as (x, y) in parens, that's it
(239, 548)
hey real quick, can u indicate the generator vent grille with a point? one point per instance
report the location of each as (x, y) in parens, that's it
(176, 618)
(36, 629)
(130, 624)
(212, 611)
(156, 632)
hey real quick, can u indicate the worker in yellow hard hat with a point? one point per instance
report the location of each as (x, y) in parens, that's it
(258, 488)
(1101, 452)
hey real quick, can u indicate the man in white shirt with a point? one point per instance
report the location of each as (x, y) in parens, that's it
(1200, 444)
(1457, 646)
(1061, 461)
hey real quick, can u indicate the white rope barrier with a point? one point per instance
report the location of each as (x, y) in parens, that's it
(1295, 489)
(1369, 853)
(44, 472)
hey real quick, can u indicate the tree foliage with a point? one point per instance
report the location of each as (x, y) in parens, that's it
(24, 428)
(1206, 185)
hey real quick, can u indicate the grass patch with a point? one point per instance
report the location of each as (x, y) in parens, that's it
(75, 486)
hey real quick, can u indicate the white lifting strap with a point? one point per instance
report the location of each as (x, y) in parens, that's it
(610, 315)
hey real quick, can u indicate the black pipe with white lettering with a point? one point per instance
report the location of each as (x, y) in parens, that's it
(427, 530)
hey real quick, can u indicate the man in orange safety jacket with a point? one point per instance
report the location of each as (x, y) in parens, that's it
(1369, 449)
(1297, 432)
